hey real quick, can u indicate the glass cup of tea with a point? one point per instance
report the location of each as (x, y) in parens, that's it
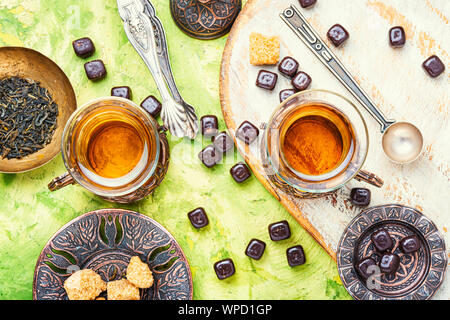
(114, 149)
(314, 143)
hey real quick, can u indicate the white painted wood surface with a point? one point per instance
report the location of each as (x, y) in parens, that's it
(394, 78)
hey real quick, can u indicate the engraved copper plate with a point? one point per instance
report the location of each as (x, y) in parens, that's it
(420, 274)
(205, 19)
(104, 241)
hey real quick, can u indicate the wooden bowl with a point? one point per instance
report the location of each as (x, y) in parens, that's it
(27, 63)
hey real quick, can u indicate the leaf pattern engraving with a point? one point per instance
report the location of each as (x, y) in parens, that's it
(141, 236)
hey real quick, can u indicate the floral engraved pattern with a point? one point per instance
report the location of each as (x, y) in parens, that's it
(205, 20)
(420, 273)
(138, 31)
(81, 241)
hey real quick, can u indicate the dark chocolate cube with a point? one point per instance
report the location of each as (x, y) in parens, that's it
(397, 37)
(255, 249)
(95, 70)
(123, 92)
(152, 106)
(288, 66)
(266, 80)
(410, 244)
(83, 47)
(198, 218)
(360, 197)
(295, 256)
(223, 142)
(307, 3)
(433, 66)
(363, 267)
(337, 35)
(210, 125)
(247, 132)
(240, 172)
(284, 94)
(382, 240)
(301, 81)
(389, 263)
(210, 156)
(224, 269)
(279, 231)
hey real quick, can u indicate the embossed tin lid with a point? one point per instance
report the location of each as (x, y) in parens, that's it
(420, 273)
(205, 19)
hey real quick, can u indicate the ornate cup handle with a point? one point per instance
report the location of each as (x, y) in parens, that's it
(370, 178)
(61, 182)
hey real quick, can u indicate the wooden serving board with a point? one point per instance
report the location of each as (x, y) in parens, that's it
(394, 79)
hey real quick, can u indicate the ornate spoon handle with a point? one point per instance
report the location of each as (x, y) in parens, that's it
(164, 61)
(162, 50)
(140, 32)
(298, 23)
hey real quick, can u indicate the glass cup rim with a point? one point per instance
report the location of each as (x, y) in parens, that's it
(277, 110)
(66, 156)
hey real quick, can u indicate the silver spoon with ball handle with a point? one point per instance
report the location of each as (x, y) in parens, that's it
(402, 141)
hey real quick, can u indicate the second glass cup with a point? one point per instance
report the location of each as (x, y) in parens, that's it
(314, 143)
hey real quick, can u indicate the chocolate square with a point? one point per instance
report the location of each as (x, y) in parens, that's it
(337, 35)
(295, 256)
(209, 156)
(360, 197)
(266, 80)
(223, 142)
(255, 249)
(381, 240)
(224, 269)
(288, 67)
(240, 172)
(301, 81)
(363, 266)
(279, 231)
(95, 70)
(198, 218)
(410, 244)
(247, 132)
(434, 66)
(284, 94)
(83, 47)
(397, 37)
(123, 92)
(389, 263)
(209, 125)
(152, 106)
(307, 3)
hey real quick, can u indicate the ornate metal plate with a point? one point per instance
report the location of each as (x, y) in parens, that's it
(205, 19)
(420, 274)
(104, 241)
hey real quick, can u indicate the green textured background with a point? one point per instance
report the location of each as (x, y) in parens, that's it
(30, 214)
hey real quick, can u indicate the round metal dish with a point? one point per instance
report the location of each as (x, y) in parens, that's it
(30, 64)
(104, 241)
(205, 19)
(420, 273)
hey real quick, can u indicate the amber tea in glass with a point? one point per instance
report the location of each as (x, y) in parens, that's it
(114, 149)
(111, 146)
(317, 140)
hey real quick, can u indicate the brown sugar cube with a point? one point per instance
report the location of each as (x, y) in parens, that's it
(139, 274)
(84, 285)
(264, 50)
(122, 290)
